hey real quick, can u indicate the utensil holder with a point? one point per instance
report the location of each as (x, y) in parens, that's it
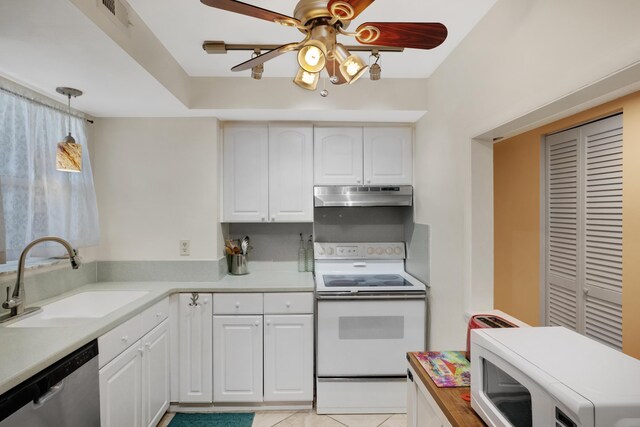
(238, 265)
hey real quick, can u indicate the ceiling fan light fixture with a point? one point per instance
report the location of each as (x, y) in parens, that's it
(256, 72)
(312, 56)
(374, 69)
(352, 67)
(306, 80)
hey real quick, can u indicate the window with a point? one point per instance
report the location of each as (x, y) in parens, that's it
(36, 199)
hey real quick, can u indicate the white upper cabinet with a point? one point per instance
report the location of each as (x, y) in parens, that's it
(338, 155)
(246, 173)
(363, 156)
(268, 173)
(290, 173)
(388, 156)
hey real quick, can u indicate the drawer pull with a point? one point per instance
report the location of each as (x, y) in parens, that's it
(288, 304)
(124, 338)
(268, 322)
(257, 323)
(237, 304)
(158, 314)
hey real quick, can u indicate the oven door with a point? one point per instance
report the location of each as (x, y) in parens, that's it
(368, 336)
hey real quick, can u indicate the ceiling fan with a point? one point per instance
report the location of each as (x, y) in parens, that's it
(321, 21)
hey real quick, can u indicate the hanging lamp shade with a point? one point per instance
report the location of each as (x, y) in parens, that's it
(68, 152)
(69, 155)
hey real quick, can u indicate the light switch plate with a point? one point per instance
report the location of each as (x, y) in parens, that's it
(185, 247)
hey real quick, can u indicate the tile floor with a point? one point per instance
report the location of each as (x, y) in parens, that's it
(311, 419)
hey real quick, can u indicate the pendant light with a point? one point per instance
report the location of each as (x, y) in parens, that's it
(68, 153)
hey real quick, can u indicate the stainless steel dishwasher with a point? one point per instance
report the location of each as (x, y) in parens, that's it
(65, 394)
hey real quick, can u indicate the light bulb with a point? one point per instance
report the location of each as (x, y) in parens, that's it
(308, 77)
(312, 56)
(352, 68)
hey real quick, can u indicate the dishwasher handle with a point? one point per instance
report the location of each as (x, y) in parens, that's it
(50, 394)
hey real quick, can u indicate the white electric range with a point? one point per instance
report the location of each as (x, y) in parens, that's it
(370, 313)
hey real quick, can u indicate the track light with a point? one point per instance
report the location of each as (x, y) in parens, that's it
(375, 70)
(256, 72)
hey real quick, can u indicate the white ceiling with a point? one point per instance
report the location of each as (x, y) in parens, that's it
(182, 26)
(45, 44)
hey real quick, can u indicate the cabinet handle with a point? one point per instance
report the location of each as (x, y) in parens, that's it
(148, 345)
(268, 322)
(124, 338)
(273, 218)
(237, 304)
(368, 181)
(194, 299)
(288, 304)
(158, 314)
(263, 218)
(358, 180)
(257, 323)
(206, 300)
(141, 351)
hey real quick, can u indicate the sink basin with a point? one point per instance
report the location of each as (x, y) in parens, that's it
(79, 308)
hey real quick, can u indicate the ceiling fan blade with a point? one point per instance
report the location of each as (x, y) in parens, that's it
(261, 59)
(347, 9)
(249, 10)
(416, 35)
(333, 69)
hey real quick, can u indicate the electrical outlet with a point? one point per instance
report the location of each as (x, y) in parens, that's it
(185, 247)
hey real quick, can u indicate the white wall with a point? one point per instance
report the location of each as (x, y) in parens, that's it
(157, 183)
(524, 55)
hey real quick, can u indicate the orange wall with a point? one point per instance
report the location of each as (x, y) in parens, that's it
(516, 180)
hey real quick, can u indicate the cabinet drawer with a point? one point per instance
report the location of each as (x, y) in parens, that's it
(288, 303)
(119, 339)
(154, 315)
(237, 304)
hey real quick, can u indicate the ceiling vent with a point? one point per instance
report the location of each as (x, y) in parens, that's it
(115, 9)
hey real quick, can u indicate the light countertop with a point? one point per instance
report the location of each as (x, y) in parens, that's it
(26, 351)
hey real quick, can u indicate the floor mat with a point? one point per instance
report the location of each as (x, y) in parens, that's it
(212, 420)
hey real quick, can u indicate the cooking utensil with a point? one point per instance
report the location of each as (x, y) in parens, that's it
(244, 245)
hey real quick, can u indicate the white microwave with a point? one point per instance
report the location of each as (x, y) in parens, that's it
(551, 376)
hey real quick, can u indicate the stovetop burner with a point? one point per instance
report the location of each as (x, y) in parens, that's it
(365, 280)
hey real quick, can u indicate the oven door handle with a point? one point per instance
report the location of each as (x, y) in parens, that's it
(361, 297)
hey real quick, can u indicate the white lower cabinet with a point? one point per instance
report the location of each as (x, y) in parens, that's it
(288, 358)
(263, 352)
(237, 358)
(422, 409)
(194, 348)
(134, 387)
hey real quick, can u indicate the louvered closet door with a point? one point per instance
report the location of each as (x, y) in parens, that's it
(562, 275)
(603, 231)
(584, 230)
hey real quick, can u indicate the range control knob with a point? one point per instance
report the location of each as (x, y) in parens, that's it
(320, 250)
(389, 251)
(398, 250)
(370, 250)
(330, 251)
(379, 251)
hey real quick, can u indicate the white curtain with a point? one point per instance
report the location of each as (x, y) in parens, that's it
(38, 200)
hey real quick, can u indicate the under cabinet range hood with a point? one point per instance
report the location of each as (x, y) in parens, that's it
(363, 196)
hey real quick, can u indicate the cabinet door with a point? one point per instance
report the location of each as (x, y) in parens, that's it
(155, 374)
(290, 173)
(245, 173)
(120, 389)
(288, 358)
(237, 358)
(388, 155)
(337, 156)
(195, 353)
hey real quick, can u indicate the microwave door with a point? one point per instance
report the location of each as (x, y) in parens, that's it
(518, 394)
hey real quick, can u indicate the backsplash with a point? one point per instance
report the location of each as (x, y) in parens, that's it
(374, 224)
(161, 271)
(276, 242)
(41, 285)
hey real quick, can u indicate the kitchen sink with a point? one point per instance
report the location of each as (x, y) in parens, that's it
(79, 308)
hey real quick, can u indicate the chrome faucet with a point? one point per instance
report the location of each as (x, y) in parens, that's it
(15, 302)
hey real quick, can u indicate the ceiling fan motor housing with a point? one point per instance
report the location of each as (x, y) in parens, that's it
(307, 11)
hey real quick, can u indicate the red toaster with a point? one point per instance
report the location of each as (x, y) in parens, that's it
(485, 321)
